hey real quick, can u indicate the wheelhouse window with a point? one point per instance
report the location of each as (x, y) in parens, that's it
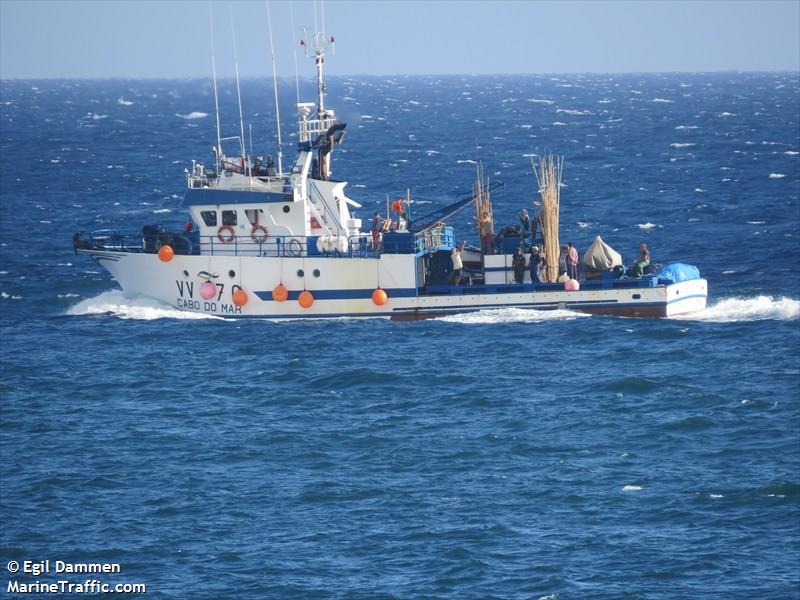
(209, 217)
(229, 217)
(252, 215)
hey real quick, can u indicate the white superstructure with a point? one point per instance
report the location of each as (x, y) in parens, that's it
(271, 244)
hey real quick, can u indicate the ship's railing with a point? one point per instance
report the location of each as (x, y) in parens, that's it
(355, 246)
(310, 128)
(152, 239)
(291, 246)
(434, 239)
(148, 241)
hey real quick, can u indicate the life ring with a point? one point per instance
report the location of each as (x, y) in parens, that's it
(259, 239)
(295, 251)
(226, 239)
(397, 206)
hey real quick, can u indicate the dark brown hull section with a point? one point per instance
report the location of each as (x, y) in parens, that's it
(644, 312)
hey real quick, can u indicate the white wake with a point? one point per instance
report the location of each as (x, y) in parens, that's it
(760, 308)
(117, 304)
(512, 315)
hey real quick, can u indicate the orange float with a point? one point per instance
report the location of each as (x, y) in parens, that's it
(380, 297)
(306, 299)
(165, 253)
(240, 297)
(280, 293)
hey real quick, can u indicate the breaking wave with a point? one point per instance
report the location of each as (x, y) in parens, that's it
(192, 115)
(760, 308)
(117, 304)
(570, 111)
(512, 315)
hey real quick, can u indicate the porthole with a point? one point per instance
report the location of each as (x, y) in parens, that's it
(637, 296)
(286, 208)
(300, 273)
(231, 273)
(316, 272)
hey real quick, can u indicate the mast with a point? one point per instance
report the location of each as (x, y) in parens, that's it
(321, 45)
(218, 149)
(275, 89)
(294, 52)
(238, 90)
(324, 131)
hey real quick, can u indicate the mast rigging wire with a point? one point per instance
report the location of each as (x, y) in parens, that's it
(275, 88)
(218, 150)
(238, 90)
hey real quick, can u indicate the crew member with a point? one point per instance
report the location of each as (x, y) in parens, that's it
(485, 229)
(377, 227)
(572, 261)
(458, 265)
(518, 265)
(535, 264)
(642, 262)
(525, 230)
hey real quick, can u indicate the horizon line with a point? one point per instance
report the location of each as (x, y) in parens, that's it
(343, 75)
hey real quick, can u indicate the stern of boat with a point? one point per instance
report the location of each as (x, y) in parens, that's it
(686, 297)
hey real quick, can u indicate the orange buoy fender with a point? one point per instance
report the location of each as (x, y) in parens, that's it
(165, 253)
(306, 299)
(380, 297)
(280, 293)
(239, 297)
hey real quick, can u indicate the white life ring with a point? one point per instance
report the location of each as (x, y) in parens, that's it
(259, 234)
(295, 248)
(226, 239)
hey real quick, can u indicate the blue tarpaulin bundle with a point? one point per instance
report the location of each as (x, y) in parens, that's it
(677, 272)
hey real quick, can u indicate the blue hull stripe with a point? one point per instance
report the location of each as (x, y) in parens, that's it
(438, 311)
(344, 294)
(682, 298)
(443, 310)
(360, 294)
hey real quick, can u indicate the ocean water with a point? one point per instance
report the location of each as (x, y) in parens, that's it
(501, 454)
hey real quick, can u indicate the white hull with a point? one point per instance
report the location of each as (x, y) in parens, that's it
(344, 286)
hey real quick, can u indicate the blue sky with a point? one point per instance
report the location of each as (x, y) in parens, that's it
(42, 39)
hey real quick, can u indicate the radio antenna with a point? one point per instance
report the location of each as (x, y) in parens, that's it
(238, 90)
(275, 88)
(294, 52)
(218, 149)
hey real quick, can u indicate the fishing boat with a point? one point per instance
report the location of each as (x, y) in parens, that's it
(271, 243)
